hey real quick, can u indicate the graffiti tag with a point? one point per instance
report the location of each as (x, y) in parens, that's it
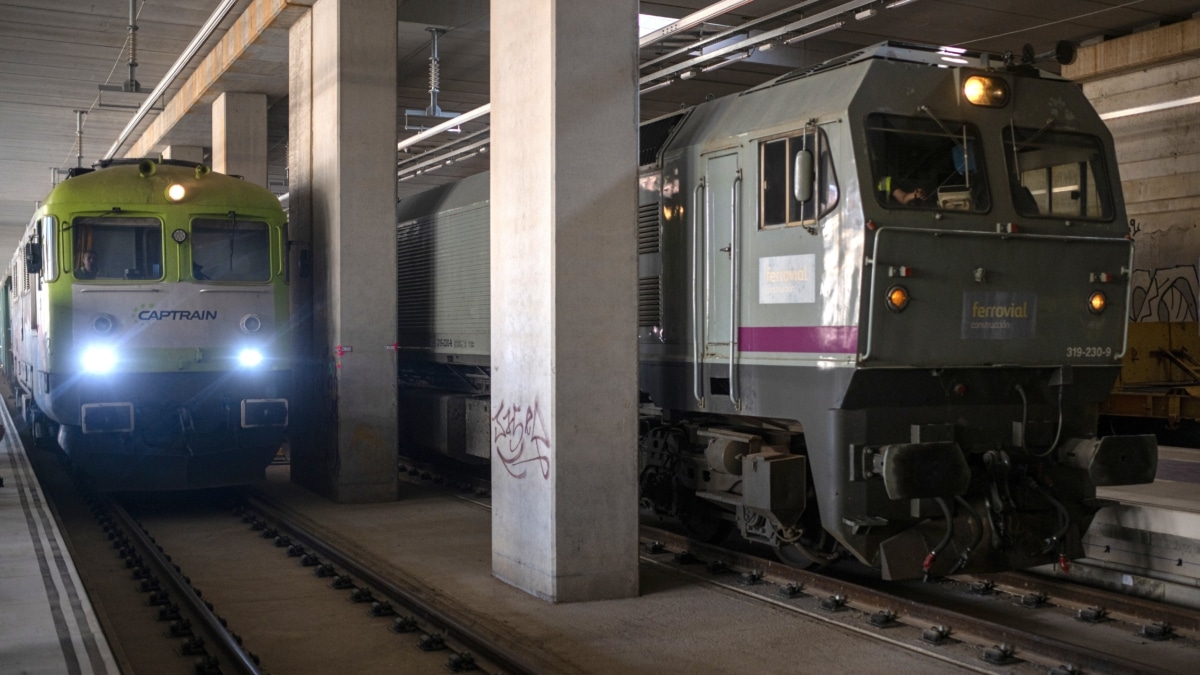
(519, 437)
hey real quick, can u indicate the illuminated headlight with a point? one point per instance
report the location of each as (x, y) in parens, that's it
(176, 192)
(1097, 302)
(250, 358)
(986, 91)
(98, 360)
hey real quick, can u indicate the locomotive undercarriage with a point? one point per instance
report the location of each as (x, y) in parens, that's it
(974, 485)
(150, 432)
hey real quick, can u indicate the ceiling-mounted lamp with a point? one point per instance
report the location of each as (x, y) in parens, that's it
(865, 14)
(768, 46)
(897, 3)
(659, 85)
(819, 31)
(733, 58)
(689, 73)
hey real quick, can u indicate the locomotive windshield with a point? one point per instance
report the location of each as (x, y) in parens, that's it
(115, 247)
(228, 249)
(1057, 174)
(923, 162)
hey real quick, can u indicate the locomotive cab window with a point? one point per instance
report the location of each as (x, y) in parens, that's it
(921, 162)
(228, 249)
(796, 188)
(1057, 174)
(117, 247)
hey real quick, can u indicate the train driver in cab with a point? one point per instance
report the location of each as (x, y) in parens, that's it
(905, 197)
(89, 265)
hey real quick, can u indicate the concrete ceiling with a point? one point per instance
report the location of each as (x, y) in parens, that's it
(54, 54)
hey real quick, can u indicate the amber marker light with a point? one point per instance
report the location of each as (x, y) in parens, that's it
(176, 192)
(897, 298)
(1097, 302)
(986, 91)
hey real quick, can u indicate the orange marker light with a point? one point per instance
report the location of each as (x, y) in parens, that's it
(1097, 302)
(897, 298)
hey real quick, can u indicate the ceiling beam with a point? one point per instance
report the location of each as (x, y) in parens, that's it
(260, 16)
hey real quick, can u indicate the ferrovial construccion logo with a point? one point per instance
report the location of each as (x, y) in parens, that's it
(999, 315)
(148, 313)
(787, 279)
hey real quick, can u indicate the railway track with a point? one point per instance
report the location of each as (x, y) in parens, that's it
(1010, 622)
(1007, 621)
(222, 582)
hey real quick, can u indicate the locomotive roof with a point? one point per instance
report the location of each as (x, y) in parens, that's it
(912, 52)
(121, 184)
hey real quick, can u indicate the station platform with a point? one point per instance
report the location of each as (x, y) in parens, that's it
(47, 624)
(1149, 545)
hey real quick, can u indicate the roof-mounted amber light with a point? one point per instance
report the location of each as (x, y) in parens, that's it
(176, 192)
(1097, 302)
(986, 91)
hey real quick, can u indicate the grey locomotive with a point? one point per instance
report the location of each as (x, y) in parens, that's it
(879, 303)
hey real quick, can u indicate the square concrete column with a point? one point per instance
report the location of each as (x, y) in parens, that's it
(239, 136)
(343, 149)
(564, 297)
(184, 153)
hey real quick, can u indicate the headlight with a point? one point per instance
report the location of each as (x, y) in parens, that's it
(1097, 302)
(176, 192)
(98, 360)
(250, 357)
(987, 91)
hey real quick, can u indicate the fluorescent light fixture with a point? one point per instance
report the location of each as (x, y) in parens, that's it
(690, 21)
(648, 23)
(1153, 107)
(721, 64)
(897, 3)
(813, 33)
(689, 73)
(865, 14)
(955, 59)
(653, 87)
(768, 46)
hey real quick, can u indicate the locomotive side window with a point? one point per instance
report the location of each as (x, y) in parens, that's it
(230, 250)
(921, 162)
(1057, 174)
(117, 247)
(779, 202)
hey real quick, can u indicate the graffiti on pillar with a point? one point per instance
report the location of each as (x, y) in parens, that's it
(1164, 294)
(519, 438)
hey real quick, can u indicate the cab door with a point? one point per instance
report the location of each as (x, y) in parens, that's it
(722, 243)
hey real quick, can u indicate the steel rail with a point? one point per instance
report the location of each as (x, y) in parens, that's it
(1140, 609)
(237, 657)
(1083, 657)
(480, 643)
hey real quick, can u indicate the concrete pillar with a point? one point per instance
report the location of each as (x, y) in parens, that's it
(313, 423)
(239, 136)
(352, 136)
(564, 277)
(184, 153)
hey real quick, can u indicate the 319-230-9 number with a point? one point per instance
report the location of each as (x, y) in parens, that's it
(1089, 352)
